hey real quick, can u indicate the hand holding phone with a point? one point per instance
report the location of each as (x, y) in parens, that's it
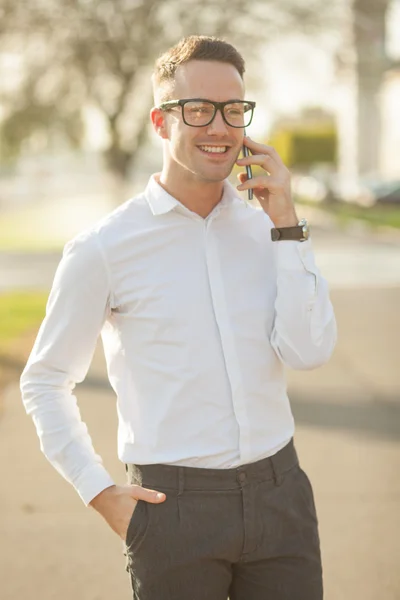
(249, 173)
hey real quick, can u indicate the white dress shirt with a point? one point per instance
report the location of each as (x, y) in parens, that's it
(198, 319)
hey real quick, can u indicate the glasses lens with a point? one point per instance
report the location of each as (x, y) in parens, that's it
(198, 113)
(238, 114)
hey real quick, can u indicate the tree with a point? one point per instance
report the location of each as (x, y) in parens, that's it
(372, 62)
(99, 53)
(362, 65)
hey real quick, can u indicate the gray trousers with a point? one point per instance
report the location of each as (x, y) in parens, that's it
(250, 533)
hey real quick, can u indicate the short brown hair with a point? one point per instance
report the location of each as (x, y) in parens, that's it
(194, 47)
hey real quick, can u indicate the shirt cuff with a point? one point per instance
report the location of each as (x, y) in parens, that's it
(292, 255)
(91, 482)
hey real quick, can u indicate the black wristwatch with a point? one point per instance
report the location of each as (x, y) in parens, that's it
(299, 233)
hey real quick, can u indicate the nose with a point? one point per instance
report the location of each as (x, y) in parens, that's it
(217, 125)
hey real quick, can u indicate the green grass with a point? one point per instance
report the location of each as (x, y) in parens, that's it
(376, 216)
(19, 313)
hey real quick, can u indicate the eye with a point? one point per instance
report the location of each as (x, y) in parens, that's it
(200, 109)
(234, 109)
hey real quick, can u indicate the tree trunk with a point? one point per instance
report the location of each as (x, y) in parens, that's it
(117, 161)
(371, 65)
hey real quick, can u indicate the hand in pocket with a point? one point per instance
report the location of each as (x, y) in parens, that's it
(118, 503)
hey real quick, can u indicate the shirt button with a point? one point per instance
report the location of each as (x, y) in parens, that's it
(242, 477)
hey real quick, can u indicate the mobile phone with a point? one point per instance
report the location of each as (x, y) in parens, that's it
(249, 173)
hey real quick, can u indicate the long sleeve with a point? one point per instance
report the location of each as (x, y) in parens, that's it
(77, 308)
(304, 333)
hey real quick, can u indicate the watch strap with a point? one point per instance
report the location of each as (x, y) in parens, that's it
(287, 233)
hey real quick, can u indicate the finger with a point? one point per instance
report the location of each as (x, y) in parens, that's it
(257, 148)
(141, 493)
(242, 177)
(254, 183)
(263, 160)
(261, 182)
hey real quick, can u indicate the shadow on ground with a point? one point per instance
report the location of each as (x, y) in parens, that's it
(379, 418)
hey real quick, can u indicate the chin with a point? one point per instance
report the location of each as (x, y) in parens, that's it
(215, 177)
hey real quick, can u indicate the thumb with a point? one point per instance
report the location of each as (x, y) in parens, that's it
(141, 493)
(242, 177)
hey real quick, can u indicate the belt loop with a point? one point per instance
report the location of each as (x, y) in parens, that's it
(181, 481)
(278, 478)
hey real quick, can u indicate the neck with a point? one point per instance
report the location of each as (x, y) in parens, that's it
(199, 197)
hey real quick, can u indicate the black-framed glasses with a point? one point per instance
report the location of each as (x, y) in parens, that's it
(198, 112)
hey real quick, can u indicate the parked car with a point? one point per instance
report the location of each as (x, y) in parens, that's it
(373, 192)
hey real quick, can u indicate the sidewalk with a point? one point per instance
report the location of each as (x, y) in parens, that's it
(348, 439)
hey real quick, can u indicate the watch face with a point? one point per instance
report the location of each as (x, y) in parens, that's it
(305, 229)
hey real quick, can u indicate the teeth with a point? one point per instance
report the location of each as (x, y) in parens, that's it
(218, 149)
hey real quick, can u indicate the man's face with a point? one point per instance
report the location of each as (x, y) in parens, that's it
(190, 148)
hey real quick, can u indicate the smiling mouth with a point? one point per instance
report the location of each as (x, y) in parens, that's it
(214, 149)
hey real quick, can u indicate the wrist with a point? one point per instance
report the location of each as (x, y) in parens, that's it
(290, 220)
(101, 499)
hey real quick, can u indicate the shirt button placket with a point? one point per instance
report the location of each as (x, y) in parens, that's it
(227, 339)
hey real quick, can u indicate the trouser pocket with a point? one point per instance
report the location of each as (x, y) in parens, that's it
(137, 530)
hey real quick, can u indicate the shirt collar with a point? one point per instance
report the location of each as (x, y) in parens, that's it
(161, 202)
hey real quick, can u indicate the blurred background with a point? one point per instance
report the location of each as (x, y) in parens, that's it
(75, 142)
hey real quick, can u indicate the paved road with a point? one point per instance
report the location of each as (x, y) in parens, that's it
(348, 437)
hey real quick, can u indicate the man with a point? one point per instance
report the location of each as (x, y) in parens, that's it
(199, 311)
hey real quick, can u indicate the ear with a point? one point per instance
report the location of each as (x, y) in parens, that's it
(159, 122)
